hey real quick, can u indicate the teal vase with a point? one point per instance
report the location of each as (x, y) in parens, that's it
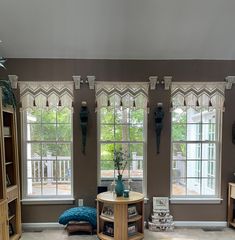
(119, 188)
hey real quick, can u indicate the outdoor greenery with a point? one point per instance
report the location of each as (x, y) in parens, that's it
(52, 130)
(121, 130)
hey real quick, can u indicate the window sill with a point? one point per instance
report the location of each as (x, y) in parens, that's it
(196, 200)
(47, 201)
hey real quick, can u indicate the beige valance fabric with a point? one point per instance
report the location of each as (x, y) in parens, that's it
(198, 94)
(122, 94)
(46, 94)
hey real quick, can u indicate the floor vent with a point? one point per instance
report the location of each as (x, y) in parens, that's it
(212, 229)
(33, 230)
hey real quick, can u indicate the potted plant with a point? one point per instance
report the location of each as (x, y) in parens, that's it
(120, 162)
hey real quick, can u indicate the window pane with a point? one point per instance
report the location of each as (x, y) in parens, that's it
(64, 187)
(178, 116)
(49, 116)
(208, 151)
(34, 170)
(137, 151)
(193, 115)
(34, 151)
(194, 169)
(193, 186)
(208, 132)
(106, 152)
(107, 115)
(64, 151)
(64, 116)
(48, 169)
(179, 151)
(63, 170)
(179, 169)
(48, 187)
(136, 169)
(49, 163)
(137, 116)
(194, 132)
(136, 133)
(194, 151)
(49, 132)
(208, 186)
(122, 132)
(64, 132)
(178, 187)
(122, 116)
(107, 169)
(178, 132)
(209, 116)
(33, 186)
(34, 116)
(208, 169)
(49, 151)
(107, 132)
(33, 132)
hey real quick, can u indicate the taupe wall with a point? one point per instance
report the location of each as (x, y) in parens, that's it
(158, 171)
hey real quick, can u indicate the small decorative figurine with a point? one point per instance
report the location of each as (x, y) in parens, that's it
(84, 123)
(159, 115)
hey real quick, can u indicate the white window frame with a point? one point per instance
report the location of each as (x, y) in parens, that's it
(144, 180)
(42, 199)
(201, 199)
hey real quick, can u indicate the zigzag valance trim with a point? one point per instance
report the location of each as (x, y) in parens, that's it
(122, 94)
(198, 94)
(46, 94)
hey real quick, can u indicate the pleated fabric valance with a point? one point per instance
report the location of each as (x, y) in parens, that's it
(122, 94)
(198, 94)
(46, 94)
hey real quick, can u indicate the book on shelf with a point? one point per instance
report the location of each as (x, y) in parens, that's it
(132, 229)
(108, 229)
(108, 211)
(132, 211)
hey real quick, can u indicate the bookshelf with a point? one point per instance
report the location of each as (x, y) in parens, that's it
(119, 217)
(10, 217)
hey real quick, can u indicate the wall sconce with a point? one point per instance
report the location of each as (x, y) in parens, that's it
(84, 124)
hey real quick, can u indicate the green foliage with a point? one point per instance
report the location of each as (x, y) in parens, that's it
(118, 126)
(120, 161)
(51, 125)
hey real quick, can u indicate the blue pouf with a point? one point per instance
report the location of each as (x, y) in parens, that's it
(79, 214)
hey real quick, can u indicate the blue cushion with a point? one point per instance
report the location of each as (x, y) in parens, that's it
(79, 214)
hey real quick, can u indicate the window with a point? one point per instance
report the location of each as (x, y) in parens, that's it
(48, 153)
(123, 129)
(122, 119)
(47, 140)
(196, 126)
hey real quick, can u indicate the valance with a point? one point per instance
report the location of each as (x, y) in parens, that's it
(122, 94)
(198, 94)
(46, 94)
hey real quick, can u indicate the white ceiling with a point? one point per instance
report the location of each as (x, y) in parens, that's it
(118, 29)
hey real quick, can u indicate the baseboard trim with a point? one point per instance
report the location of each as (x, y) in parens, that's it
(200, 223)
(55, 225)
(37, 226)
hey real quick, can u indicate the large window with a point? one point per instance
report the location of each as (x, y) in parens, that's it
(47, 153)
(125, 129)
(195, 151)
